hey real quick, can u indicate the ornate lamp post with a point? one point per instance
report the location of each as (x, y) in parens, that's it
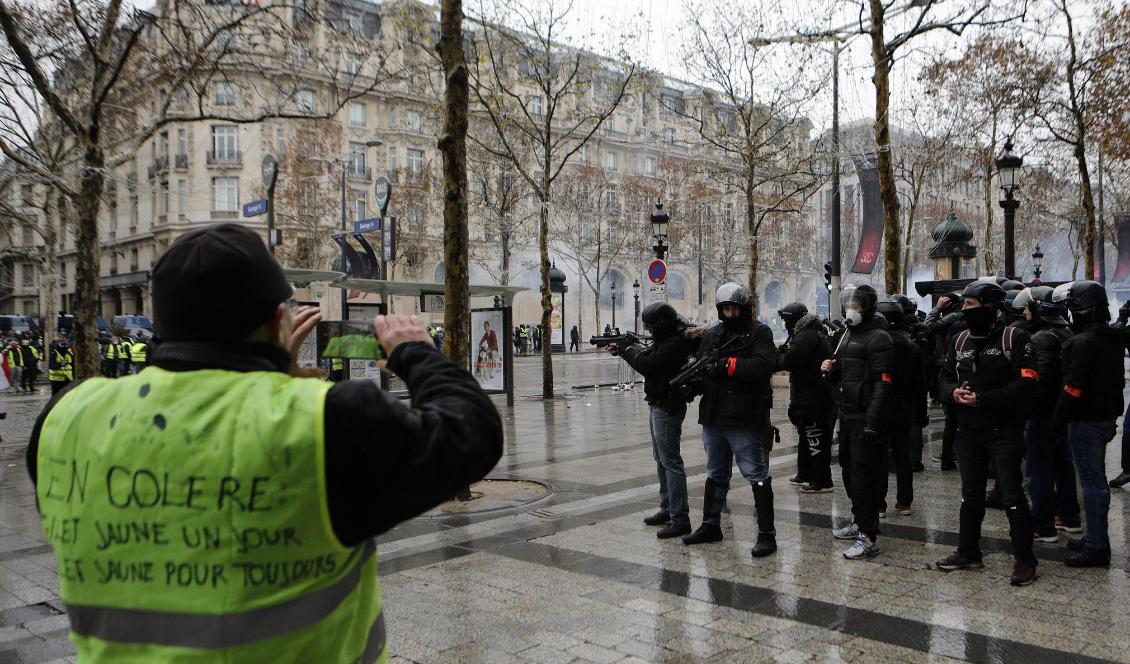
(1008, 167)
(636, 294)
(613, 289)
(1037, 264)
(659, 221)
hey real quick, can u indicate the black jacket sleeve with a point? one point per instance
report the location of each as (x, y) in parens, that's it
(1021, 390)
(662, 359)
(881, 358)
(947, 374)
(386, 462)
(758, 367)
(917, 385)
(803, 347)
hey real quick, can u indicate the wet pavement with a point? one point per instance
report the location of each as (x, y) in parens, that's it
(574, 575)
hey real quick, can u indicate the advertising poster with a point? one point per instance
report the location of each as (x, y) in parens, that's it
(871, 232)
(488, 342)
(556, 325)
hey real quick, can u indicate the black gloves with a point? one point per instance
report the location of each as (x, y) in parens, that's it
(869, 436)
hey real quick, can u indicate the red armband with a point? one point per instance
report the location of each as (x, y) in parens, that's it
(887, 378)
(731, 365)
(1030, 373)
(1073, 391)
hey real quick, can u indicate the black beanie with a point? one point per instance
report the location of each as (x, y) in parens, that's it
(216, 284)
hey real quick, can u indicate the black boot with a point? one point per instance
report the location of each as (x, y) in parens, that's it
(766, 535)
(658, 519)
(1089, 557)
(712, 501)
(674, 530)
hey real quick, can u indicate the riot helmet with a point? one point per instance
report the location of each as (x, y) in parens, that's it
(858, 304)
(791, 313)
(909, 306)
(1086, 300)
(1011, 285)
(738, 295)
(991, 296)
(892, 311)
(660, 319)
(1012, 312)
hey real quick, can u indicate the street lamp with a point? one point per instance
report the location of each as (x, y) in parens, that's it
(613, 289)
(659, 221)
(1008, 168)
(1037, 263)
(636, 294)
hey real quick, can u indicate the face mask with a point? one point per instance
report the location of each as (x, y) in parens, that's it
(853, 318)
(980, 319)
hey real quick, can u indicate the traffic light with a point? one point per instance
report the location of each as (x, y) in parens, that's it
(828, 276)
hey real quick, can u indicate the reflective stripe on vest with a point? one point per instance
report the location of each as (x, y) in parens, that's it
(190, 523)
(137, 352)
(194, 630)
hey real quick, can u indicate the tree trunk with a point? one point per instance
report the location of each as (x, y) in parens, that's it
(453, 145)
(1088, 208)
(546, 298)
(753, 226)
(887, 190)
(52, 222)
(987, 190)
(85, 341)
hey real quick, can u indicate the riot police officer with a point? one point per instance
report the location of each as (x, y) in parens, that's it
(658, 364)
(944, 321)
(990, 376)
(810, 402)
(861, 370)
(1051, 475)
(907, 404)
(921, 336)
(734, 414)
(1089, 405)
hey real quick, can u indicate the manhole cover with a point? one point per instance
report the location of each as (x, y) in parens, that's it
(490, 495)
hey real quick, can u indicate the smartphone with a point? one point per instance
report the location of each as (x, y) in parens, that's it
(349, 339)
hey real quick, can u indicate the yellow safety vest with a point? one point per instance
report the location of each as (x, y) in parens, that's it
(64, 369)
(190, 523)
(137, 352)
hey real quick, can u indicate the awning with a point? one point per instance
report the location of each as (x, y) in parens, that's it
(417, 288)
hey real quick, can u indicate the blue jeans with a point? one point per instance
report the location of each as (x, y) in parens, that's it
(1088, 447)
(723, 443)
(666, 432)
(1051, 476)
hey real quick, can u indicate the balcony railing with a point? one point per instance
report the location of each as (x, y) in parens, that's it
(160, 165)
(359, 174)
(227, 158)
(181, 162)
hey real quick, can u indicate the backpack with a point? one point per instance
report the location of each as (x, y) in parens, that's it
(1006, 341)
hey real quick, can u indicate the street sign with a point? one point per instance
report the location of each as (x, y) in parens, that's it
(367, 225)
(657, 271)
(255, 208)
(389, 231)
(658, 291)
(382, 190)
(270, 170)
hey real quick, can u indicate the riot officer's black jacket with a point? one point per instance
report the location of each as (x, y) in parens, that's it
(659, 364)
(1003, 374)
(1048, 337)
(863, 375)
(807, 347)
(738, 392)
(908, 389)
(1092, 376)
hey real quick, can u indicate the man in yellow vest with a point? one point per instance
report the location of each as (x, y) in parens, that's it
(137, 354)
(60, 364)
(124, 347)
(216, 506)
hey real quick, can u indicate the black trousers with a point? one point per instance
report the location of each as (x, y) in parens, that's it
(814, 450)
(27, 380)
(57, 385)
(899, 442)
(975, 449)
(949, 432)
(864, 473)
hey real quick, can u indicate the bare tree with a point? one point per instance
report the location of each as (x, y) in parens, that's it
(542, 101)
(1072, 104)
(109, 79)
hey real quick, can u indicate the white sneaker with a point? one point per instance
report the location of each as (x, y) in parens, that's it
(862, 548)
(848, 532)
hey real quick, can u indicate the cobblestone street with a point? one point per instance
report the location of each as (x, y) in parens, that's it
(576, 576)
